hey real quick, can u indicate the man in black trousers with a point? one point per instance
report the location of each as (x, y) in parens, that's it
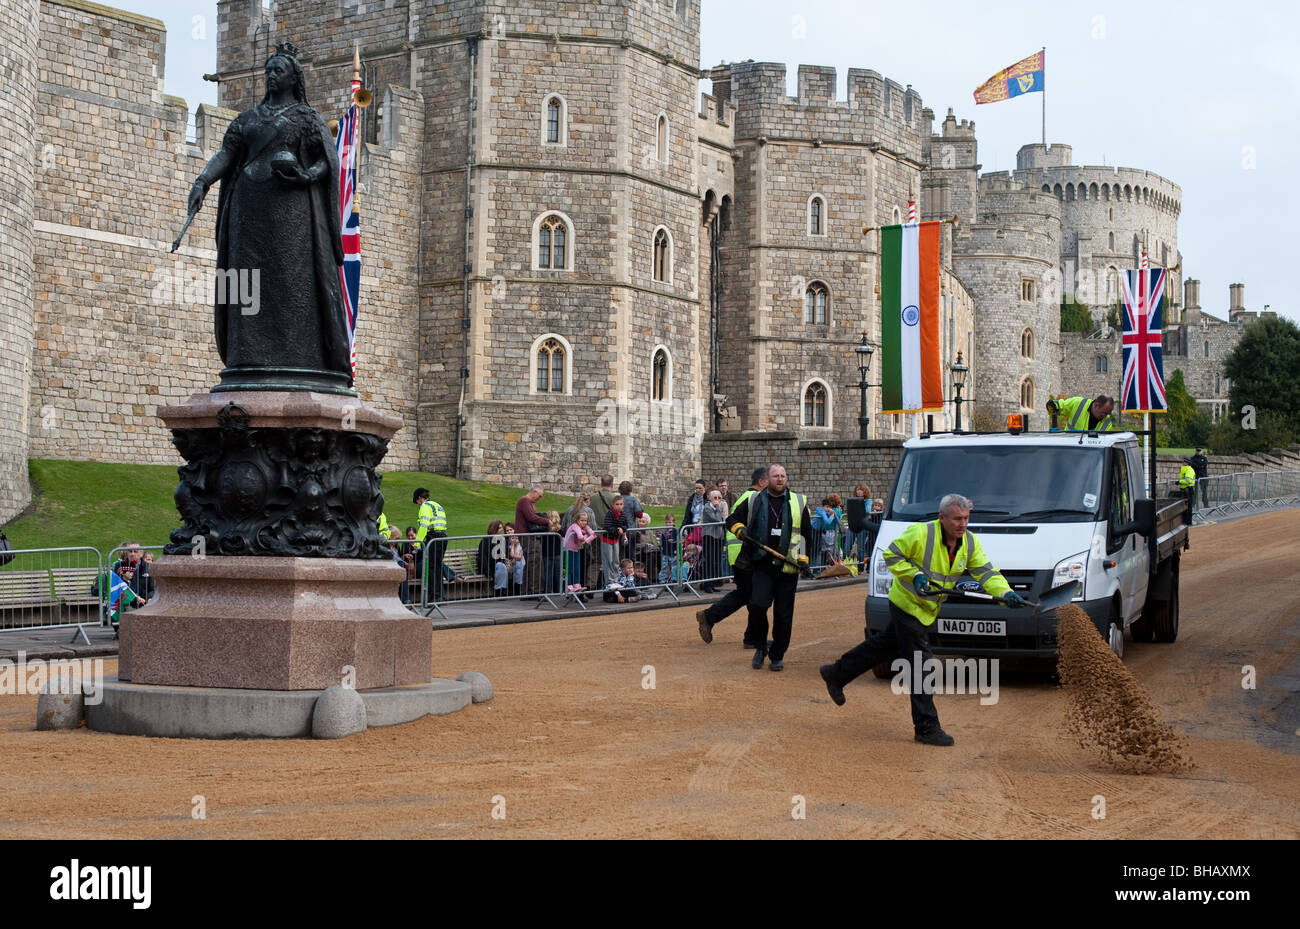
(778, 518)
(743, 573)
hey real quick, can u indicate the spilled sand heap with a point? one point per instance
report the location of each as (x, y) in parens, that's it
(1108, 711)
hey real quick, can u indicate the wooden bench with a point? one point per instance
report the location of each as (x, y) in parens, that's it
(472, 585)
(48, 596)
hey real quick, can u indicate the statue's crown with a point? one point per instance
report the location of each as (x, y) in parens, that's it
(288, 49)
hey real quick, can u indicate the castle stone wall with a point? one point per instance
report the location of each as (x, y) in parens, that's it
(815, 468)
(19, 30)
(123, 325)
(862, 157)
(995, 261)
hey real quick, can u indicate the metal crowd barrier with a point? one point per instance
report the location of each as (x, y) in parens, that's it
(539, 576)
(50, 588)
(1225, 495)
(702, 558)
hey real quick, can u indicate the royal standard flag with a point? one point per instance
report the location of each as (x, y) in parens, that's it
(909, 318)
(1023, 77)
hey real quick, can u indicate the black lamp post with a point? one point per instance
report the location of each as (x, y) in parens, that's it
(863, 351)
(959, 372)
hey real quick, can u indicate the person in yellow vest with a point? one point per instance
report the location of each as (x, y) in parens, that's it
(1081, 415)
(433, 526)
(1187, 485)
(742, 572)
(383, 525)
(926, 560)
(778, 518)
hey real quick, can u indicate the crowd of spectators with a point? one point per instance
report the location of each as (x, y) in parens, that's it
(604, 544)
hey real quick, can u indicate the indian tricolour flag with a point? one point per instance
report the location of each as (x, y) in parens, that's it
(909, 318)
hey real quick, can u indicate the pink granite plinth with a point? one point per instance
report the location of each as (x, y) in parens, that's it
(267, 623)
(271, 409)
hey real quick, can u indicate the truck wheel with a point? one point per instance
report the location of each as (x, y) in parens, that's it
(1166, 618)
(883, 670)
(1141, 629)
(1115, 634)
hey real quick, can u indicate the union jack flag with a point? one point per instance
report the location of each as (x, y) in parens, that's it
(350, 271)
(1144, 374)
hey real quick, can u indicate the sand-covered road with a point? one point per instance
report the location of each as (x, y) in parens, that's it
(575, 746)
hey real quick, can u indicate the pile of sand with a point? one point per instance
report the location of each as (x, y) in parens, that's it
(1109, 712)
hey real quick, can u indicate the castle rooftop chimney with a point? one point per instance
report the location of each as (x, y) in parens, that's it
(1236, 300)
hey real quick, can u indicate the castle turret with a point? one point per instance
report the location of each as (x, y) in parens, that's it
(1037, 155)
(800, 275)
(19, 20)
(1008, 262)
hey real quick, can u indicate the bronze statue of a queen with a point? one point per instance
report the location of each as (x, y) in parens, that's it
(280, 318)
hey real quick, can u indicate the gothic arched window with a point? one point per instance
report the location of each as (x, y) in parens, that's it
(551, 359)
(816, 405)
(816, 300)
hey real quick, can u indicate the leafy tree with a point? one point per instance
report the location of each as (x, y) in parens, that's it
(1113, 316)
(1076, 317)
(1198, 430)
(1231, 436)
(1175, 421)
(1265, 370)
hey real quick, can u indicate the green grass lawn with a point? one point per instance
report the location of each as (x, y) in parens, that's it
(103, 505)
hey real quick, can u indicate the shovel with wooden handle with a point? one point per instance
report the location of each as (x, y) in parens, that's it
(833, 571)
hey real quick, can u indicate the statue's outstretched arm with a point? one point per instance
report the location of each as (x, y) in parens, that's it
(215, 171)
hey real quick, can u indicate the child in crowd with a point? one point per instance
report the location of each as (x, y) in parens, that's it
(623, 589)
(515, 567)
(612, 536)
(667, 538)
(575, 540)
(690, 561)
(837, 508)
(647, 553)
(552, 554)
(823, 525)
(493, 553)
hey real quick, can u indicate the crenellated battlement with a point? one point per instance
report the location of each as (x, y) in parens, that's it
(952, 129)
(1111, 184)
(722, 112)
(877, 109)
(1007, 240)
(997, 202)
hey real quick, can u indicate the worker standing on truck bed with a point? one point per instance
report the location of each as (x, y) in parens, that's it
(1076, 413)
(922, 571)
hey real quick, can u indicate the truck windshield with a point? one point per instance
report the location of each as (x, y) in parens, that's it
(1008, 483)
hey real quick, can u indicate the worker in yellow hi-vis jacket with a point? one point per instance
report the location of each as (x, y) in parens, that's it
(926, 560)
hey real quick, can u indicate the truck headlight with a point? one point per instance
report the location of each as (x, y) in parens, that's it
(883, 579)
(1074, 568)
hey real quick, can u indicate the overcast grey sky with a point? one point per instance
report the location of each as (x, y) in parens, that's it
(1203, 94)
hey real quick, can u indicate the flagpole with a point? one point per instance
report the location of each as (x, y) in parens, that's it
(1044, 96)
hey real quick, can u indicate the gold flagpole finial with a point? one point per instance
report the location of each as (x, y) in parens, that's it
(356, 62)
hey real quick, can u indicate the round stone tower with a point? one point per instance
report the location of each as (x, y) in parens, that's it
(1108, 216)
(1008, 262)
(19, 27)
